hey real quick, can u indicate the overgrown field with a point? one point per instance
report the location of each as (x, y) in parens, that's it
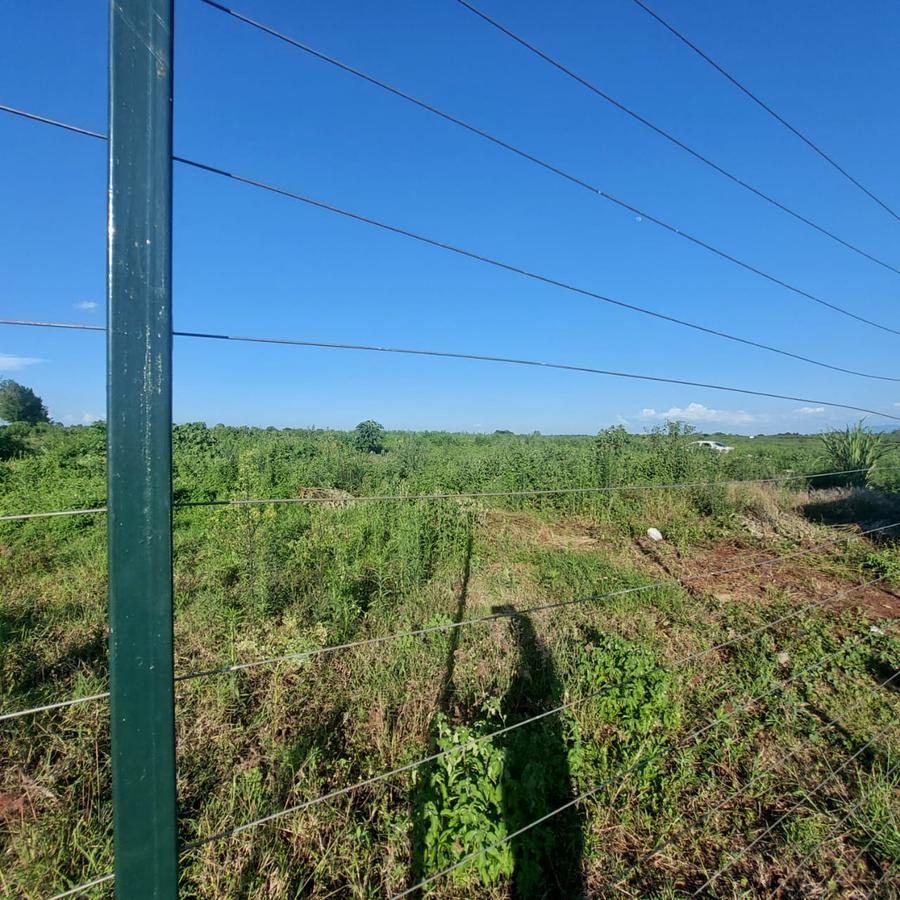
(723, 708)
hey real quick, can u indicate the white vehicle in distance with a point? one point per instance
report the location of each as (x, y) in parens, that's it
(718, 446)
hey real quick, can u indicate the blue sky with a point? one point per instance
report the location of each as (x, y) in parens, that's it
(249, 262)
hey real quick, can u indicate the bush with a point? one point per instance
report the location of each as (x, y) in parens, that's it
(462, 803)
(610, 448)
(854, 450)
(630, 721)
(11, 442)
(368, 437)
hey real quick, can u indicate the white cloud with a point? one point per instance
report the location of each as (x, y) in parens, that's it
(87, 304)
(811, 410)
(697, 412)
(84, 419)
(9, 363)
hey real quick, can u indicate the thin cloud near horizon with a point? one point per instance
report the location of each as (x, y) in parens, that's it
(697, 412)
(11, 363)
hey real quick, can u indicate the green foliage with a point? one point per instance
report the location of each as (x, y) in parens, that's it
(368, 437)
(609, 454)
(264, 581)
(462, 803)
(12, 441)
(883, 563)
(20, 404)
(473, 798)
(851, 449)
(636, 693)
(634, 714)
(672, 458)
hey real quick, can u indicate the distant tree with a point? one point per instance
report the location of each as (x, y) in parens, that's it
(368, 437)
(20, 404)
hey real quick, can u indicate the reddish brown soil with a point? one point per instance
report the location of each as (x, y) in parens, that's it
(732, 572)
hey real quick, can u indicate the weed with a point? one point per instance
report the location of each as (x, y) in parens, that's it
(268, 581)
(856, 450)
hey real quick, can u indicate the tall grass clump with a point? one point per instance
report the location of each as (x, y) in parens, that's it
(854, 450)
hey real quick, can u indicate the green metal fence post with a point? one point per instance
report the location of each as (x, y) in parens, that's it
(139, 397)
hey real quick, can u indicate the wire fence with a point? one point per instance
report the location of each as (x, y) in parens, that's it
(765, 106)
(480, 620)
(700, 157)
(142, 680)
(742, 790)
(314, 499)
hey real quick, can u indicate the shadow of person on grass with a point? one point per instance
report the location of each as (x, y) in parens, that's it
(443, 705)
(537, 778)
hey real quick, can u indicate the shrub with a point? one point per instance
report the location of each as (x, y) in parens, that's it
(610, 447)
(368, 437)
(630, 720)
(11, 442)
(855, 450)
(471, 799)
(462, 803)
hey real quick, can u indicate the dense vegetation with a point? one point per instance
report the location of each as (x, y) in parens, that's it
(676, 728)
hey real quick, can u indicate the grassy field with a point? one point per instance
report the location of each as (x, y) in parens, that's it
(741, 721)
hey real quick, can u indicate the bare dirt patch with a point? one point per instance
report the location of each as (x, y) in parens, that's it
(733, 571)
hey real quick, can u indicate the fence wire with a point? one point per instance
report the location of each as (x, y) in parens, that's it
(742, 852)
(494, 616)
(506, 360)
(890, 868)
(320, 499)
(766, 107)
(513, 268)
(614, 779)
(582, 292)
(505, 266)
(740, 790)
(231, 832)
(835, 829)
(577, 180)
(86, 886)
(570, 73)
(524, 611)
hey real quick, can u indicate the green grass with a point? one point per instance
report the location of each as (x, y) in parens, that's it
(693, 751)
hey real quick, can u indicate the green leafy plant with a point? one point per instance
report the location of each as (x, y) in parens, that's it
(855, 450)
(636, 690)
(368, 437)
(610, 452)
(462, 803)
(472, 799)
(630, 719)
